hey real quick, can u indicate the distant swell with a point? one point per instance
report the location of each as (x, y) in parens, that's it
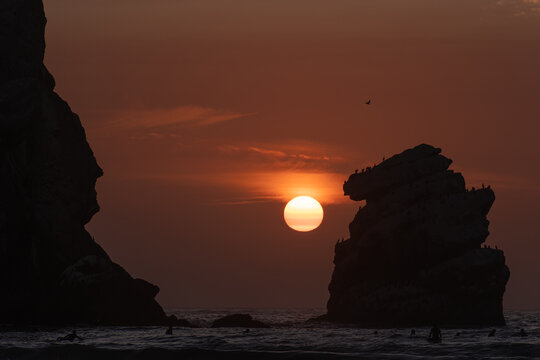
(83, 352)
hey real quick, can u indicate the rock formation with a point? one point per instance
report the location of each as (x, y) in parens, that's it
(51, 269)
(415, 255)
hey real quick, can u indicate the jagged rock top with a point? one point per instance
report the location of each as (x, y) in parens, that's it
(418, 162)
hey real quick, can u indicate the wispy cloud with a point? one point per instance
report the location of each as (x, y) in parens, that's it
(254, 186)
(284, 185)
(521, 7)
(160, 122)
(294, 155)
(261, 172)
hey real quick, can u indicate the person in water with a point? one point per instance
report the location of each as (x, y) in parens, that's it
(69, 337)
(435, 334)
(413, 333)
(522, 332)
(169, 330)
(492, 333)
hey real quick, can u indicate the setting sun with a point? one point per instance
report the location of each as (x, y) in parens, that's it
(303, 213)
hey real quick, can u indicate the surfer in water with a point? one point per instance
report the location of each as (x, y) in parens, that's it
(69, 337)
(435, 334)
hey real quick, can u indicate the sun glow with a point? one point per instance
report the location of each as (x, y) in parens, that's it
(303, 213)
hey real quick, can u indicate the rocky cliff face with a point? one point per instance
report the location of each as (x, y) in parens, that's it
(51, 269)
(415, 255)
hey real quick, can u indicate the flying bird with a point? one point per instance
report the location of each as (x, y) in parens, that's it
(368, 102)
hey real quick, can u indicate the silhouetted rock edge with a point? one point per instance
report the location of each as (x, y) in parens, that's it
(414, 255)
(51, 270)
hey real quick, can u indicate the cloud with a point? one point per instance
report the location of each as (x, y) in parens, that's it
(245, 173)
(162, 122)
(268, 152)
(294, 155)
(521, 7)
(237, 188)
(284, 185)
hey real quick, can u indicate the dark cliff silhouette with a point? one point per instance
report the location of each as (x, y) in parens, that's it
(415, 256)
(51, 269)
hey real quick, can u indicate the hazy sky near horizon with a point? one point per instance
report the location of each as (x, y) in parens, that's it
(207, 116)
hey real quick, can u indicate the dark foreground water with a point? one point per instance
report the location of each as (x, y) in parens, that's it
(289, 338)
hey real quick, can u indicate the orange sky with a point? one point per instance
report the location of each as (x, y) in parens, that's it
(207, 115)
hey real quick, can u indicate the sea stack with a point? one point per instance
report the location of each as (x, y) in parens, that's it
(51, 269)
(415, 254)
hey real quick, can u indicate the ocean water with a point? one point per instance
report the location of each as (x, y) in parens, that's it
(289, 338)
